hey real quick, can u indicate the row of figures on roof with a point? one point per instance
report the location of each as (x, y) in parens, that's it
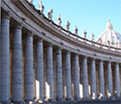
(102, 39)
(59, 22)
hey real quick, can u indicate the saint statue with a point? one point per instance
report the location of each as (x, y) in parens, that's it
(31, 1)
(100, 40)
(67, 25)
(59, 20)
(76, 30)
(41, 7)
(50, 14)
(108, 43)
(92, 37)
(84, 34)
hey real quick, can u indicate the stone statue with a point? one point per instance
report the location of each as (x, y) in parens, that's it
(75, 30)
(116, 44)
(31, 1)
(100, 40)
(92, 37)
(50, 14)
(108, 43)
(67, 25)
(59, 20)
(84, 34)
(41, 7)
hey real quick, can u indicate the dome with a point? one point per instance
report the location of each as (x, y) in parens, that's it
(110, 36)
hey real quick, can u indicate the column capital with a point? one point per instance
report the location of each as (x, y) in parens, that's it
(67, 51)
(18, 26)
(49, 44)
(6, 15)
(76, 54)
(93, 58)
(30, 34)
(40, 39)
(59, 48)
(117, 62)
(84, 57)
(101, 60)
(108, 61)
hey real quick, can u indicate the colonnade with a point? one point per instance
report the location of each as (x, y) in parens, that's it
(26, 82)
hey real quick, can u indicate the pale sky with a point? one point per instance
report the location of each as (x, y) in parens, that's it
(91, 15)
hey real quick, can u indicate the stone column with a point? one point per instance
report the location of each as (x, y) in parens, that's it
(109, 72)
(93, 79)
(68, 76)
(29, 73)
(5, 59)
(76, 77)
(101, 79)
(117, 80)
(39, 70)
(85, 78)
(59, 74)
(17, 66)
(0, 52)
(50, 71)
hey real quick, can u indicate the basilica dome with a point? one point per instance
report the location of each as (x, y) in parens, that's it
(110, 37)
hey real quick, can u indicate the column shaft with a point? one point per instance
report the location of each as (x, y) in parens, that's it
(39, 71)
(101, 79)
(117, 80)
(59, 74)
(17, 67)
(76, 77)
(109, 72)
(68, 76)
(93, 79)
(29, 73)
(85, 78)
(50, 69)
(5, 63)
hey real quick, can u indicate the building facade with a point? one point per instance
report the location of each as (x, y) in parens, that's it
(40, 60)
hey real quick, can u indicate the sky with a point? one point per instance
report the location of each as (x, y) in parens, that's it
(89, 15)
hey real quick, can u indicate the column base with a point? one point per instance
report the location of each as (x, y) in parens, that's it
(86, 98)
(69, 99)
(60, 99)
(6, 102)
(103, 98)
(30, 102)
(40, 100)
(51, 100)
(113, 98)
(94, 98)
(77, 98)
(18, 102)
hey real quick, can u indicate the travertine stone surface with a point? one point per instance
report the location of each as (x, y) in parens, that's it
(93, 79)
(67, 82)
(0, 52)
(85, 78)
(59, 74)
(101, 79)
(17, 66)
(5, 69)
(76, 77)
(109, 75)
(29, 75)
(117, 79)
(39, 69)
(68, 76)
(50, 70)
